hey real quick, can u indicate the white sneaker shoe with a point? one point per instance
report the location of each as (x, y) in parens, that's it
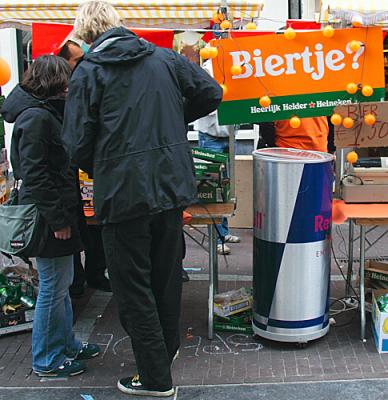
(232, 239)
(223, 249)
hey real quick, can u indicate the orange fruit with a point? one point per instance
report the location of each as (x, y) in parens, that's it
(236, 69)
(354, 45)
(265, 101)
(5, 72)
(328, 31)
(369, 119)
(367, 90)
(204, 53)
(295, 122)
(336, 119)
(225, 25)
(213, 52)
(224, 89)
(289, 34)
(352, 157)
(351, 88)
(250, 26)
(348, 122)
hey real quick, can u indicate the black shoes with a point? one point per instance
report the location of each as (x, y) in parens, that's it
(132, 385)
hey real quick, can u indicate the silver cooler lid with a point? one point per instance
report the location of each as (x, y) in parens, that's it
(285, 155)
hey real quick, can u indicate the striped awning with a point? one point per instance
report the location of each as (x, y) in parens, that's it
(368, 12)
(162, 13)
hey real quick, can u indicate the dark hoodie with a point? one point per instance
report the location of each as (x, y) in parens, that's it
(39, 159)
(125, 122)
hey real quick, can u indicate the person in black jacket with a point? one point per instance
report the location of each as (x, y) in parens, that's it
(40, 161)
(128, 106)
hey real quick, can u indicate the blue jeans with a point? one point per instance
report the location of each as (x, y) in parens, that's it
(53, 340)
(222, 146)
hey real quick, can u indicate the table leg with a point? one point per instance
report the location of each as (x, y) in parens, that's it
(350, 259)
(212, 271)
(362, 281)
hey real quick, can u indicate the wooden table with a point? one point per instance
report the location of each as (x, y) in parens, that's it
(210, 215)
(364, 215)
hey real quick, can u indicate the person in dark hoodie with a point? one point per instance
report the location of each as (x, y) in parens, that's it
(40, 161)
(128, 106)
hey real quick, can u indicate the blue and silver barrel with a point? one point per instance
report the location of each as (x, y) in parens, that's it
(292, 200)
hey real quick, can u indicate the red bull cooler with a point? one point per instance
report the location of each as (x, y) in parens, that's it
(292, 203)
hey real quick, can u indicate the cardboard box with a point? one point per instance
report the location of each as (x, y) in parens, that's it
(379, 323)
(376, 274)
(241, 323)
(208, 155)
(233, 302)
(20, 320)
(212, 192)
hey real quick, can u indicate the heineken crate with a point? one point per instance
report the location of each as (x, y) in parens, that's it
(17, 321)
(211, 171)
(241, 323)
(209, 155)
(212, 192)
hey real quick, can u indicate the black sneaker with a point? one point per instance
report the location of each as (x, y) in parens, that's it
(88, 351)
(68, 368)
(132, 385)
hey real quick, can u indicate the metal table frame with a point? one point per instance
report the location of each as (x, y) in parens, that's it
(210, 215)
(363, 223)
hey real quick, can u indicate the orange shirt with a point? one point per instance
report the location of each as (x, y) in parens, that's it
(311, 135)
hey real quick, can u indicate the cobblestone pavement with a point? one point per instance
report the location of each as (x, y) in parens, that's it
(229, 359)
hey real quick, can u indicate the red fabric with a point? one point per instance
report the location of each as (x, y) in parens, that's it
(300, 24)
(161, 38)
(342, 211)
(49, 38)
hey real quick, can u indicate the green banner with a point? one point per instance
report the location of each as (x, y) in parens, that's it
(285, 107)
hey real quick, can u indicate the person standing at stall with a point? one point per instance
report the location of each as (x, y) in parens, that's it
(95, 264)
(125, 124)
(40, 161)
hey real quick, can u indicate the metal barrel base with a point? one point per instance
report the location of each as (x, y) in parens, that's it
(291, 338)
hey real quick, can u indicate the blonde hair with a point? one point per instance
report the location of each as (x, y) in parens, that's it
(94, 18)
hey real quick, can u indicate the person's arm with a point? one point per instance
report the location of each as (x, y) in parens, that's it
(202, 94)
(33, 147)
(80, 123)
(267, 135)
(330, 138)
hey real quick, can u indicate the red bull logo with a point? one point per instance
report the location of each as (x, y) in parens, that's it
(322, 224)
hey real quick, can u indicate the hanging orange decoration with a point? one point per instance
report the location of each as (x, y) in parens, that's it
(289, 34)
(216, 19)
(351, 88)
(224, 89)
(328, 31)
(355, 45)
(369, 119)
(265, 101)
(348, 122)
(236, 70)
(250, 26)
(225, 25)
(295, 122)
(367, 90)
(213, 52)
(352, 157)
(5, 72)
(204, 53)
(336, 119)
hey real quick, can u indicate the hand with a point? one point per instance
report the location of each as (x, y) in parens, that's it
(63, 234)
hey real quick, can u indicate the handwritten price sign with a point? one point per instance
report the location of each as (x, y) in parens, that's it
(361, 134)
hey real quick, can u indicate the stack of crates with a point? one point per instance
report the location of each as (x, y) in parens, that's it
(212, 175)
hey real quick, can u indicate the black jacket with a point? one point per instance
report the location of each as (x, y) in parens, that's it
(125, 124)
(39, 159)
